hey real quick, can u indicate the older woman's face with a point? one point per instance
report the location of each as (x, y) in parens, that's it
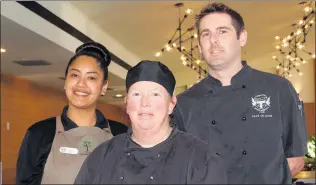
(149, 105)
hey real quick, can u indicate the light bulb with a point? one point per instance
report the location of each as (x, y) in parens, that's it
(118, 95)
(311, 22)
(297, 64)
(195, 35)
(304, 62)
(189, 11)
(182, 48)
(306, 9)
(3, 50)
(289, 37)
(285, 45)
(278, 67)
(300, 73)
(198, 61)
(313, 55)
(285, 69)
(298, 32)
(274, 57)
(277, 47)
(158, 54)
(288, 56)
(183, 57)
(301, 22)
(290, 75)
(184, 62)
(300, 46)
(277, 38)
(174, 45)
(168, 48)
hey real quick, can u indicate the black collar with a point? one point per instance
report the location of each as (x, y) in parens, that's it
(239, 80)
(68, 124)
(132, 146)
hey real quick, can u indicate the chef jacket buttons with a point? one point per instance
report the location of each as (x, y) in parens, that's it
(210, 91)
(244, 152)
(244, 118)
(213, 122)
(243, 86)
(128, 154)
(151, 178)
(121, 178)
(158, 155)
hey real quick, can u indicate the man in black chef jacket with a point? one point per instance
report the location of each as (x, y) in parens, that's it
(153, 151)
(254, 120)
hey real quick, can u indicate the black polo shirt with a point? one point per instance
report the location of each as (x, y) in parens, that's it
(180, 159)
(38, 141)
(255, 124)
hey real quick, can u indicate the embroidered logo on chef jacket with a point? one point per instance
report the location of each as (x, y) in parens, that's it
(261, 103)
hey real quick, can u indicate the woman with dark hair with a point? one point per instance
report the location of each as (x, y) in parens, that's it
(54, 149)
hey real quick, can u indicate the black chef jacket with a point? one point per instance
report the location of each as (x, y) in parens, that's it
(180, 159)
(254, 124)
(37, 144)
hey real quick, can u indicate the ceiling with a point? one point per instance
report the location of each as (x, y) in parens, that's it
(144, 27)
(23, 44)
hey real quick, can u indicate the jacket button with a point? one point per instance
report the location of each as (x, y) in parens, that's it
(158, 155)
(243, 86)
(244, 152)
(151, 178)
(210, 91)
(121, 178)
(213, 122)
(128, 154)
(244, 118)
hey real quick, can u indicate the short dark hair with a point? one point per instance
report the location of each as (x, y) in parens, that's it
(237, 20)
(97, 51)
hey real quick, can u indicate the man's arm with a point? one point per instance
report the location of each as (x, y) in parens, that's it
(296, 164)
(294, 128)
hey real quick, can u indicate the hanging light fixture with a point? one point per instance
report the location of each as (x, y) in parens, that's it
(293, 52)
(179, 38)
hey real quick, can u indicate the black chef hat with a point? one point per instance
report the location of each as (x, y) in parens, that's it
(153, 71)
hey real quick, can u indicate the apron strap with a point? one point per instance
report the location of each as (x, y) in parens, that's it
(59, 125)
(107, 129)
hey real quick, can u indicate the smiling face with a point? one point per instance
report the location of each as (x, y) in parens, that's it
(149, 105)
(218, 42)
(84, 83)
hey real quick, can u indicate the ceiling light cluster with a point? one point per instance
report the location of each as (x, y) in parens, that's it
(188, 56)
(291, 49)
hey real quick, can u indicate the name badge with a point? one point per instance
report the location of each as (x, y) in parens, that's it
(67, 150)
